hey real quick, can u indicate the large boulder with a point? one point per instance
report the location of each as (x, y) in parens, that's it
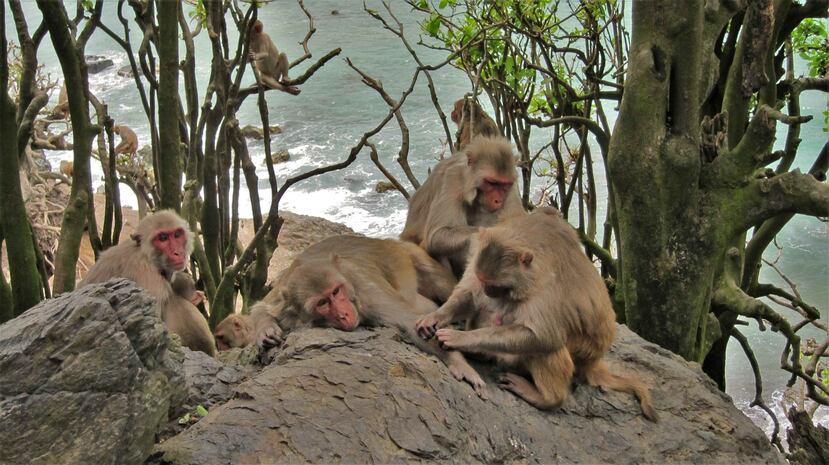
(87, 377)
(366, 397)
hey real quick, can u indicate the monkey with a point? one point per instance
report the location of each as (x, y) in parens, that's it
(159, 249)
(184, 286)
(472, 121)
(233, 331)
(532, 299)
(129, 141)
(67, 167)
(471, 189)
(271, 64)
(349, 281)
(61, 110)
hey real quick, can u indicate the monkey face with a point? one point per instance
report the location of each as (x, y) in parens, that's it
(171, 244)
(231, 332)
(335, 307)
(502, 271)
(494, 190)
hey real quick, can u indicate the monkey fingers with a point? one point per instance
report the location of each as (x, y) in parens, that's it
(427, 325)
(452, 338)
(270, 336)
(462, 371)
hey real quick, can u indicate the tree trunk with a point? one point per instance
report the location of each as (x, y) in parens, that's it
(667, 254)
(73, 65)
(26, 288)
(169, 163)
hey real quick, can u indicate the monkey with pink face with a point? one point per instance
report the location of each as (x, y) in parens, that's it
(155, 258)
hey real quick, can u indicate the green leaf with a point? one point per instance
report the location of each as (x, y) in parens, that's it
(185, 419)
(432, 26)
(201, 411)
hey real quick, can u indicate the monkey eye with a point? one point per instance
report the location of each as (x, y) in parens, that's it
(163, 237)
(336, 291)
(179, 232)
(322, 302)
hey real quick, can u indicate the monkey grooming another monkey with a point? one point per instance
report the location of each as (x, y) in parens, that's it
(233, 331)
(471, 189)
(159, 249)
(347, 281)
(472, 121)
(533, 299)
(129, 141)
(271, 64)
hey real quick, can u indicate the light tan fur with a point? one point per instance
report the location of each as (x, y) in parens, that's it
(534, 299)
(389, 283)
(271, 64)
(233, 331)
(447, 209)
(129, 141)
(137, 260)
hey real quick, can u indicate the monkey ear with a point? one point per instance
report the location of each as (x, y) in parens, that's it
(335, 260)
(471, 158)
(525, 257)
(136, 238)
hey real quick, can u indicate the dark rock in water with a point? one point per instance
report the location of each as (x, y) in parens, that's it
(279, 157)
(87, 377)
(97, 63)
(384, 186)
(256, 133)
(125, 71)
(366, 397)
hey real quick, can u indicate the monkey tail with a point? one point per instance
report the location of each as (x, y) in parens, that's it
(599, 375)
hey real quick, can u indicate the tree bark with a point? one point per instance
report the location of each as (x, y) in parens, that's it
(169, 162)
(26, 289)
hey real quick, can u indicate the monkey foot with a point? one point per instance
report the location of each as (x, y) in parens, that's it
(468, 374)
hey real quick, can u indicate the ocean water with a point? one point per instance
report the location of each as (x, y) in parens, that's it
(334, 109)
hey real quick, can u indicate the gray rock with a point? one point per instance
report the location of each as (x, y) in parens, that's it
(87, 377)
(125, 71)
(97, 63)
(365, 397)
(256, 133)
(209, 381)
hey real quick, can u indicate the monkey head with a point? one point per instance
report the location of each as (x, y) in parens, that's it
(165, 239)
(233, 331)
(456, 111)
(318, 294)
(256, 30)
(491, 172)
(504, 270)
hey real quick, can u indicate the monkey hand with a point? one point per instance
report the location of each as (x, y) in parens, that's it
(453, 339)
(269, 336)
(428, 324)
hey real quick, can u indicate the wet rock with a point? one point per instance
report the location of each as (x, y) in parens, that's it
(97, 63)
(256, 133)
(384, 186)
(87, 377)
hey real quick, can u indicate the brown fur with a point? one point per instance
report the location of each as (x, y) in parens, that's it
(233, 331)
(472, 121)
(447, 209)
(137, 260)
(271, 64)
(129, 141)
(537, 301)
(388, 283)
(61, 110)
